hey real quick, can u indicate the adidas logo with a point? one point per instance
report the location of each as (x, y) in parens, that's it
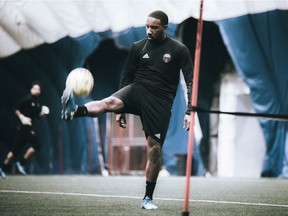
(157, 135)
(146, 56)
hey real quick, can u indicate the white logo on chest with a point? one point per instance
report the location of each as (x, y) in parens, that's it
(166, 57)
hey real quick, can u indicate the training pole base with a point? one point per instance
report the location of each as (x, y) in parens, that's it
(185, 214)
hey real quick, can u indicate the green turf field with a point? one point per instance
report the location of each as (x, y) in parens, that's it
(121, 195)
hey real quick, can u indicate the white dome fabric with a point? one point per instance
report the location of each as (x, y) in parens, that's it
(26, 24)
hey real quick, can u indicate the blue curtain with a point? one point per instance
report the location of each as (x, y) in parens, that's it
(258, 45)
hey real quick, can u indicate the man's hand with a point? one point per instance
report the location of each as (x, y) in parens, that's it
(25, 120)
(186, 122)
(121, 120)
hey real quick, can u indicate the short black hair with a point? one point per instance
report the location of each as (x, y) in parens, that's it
(35, 83)
(162, 16)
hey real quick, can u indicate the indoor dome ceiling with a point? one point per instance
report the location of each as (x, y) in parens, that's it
(26, 24)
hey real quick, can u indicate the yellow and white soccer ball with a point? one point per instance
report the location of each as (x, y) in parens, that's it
(81, 81)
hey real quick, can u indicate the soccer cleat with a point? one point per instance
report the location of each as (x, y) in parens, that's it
(21, 168)
(68, 105)
(3, 174)
(148, 204)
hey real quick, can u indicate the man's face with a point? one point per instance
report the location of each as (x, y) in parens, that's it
(154, 29)
(35, 90)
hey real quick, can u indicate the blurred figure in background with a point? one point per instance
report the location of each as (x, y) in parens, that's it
(26, 110)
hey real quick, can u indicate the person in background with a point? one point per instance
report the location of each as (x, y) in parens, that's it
(26, 110)
(148, 87)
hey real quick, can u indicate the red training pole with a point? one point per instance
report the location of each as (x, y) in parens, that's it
(60, 149)
(194, 100)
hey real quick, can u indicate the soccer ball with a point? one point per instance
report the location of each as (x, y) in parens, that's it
(81, 81)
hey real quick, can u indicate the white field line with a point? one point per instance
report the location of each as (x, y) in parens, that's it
(134, 197)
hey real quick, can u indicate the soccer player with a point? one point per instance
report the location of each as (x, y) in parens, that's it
(148, 87)
(26, 110)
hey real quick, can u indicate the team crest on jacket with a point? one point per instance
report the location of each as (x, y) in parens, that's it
(166, 57)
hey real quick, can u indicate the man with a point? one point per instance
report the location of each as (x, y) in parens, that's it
(26, 110)
(147, 89)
